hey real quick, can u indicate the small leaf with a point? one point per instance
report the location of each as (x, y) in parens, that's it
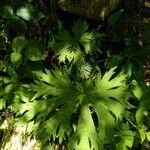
(8, 88)
(142, 136)
(137, 89)
(113, 60)
(85, 40)
(2, 103)
(65, 54)
(148, 136)
(127, 138)
(140, 115)
(18, 43)
(33, 50)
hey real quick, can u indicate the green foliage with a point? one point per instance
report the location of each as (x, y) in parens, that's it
(18, 44)
(16, 58)
(78, 86)
(68, 47)
(127, 138)
(104, 96)
(29, 12)
(33, 50)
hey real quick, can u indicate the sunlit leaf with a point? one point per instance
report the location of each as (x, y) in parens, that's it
(127, 138)
(139, 115)
(113, 60)
(148, 136)
(85, 70)
(68, 46)
(138, 91)
(54, 92)
(142, 132)
(29, 12)
(142, 136)
(2, 103)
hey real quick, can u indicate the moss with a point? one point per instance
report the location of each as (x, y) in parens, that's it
(95, 9)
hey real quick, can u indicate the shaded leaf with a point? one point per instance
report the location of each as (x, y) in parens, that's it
(33, 50)
(114, 17)
(7, 11)
(18, 43)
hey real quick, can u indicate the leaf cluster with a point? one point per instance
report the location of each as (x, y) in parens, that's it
(80, 86)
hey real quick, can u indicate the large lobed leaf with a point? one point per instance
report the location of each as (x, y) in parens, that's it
(57, 100)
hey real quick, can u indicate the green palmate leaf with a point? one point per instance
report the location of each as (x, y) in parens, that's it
(140, 115)
(113, 60)
(66, 54)
(59, 99)
(68, 47)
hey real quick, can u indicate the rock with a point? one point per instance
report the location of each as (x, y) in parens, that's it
(94, 9)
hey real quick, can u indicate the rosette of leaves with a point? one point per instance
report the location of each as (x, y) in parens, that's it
(73, 47)
(62, 109)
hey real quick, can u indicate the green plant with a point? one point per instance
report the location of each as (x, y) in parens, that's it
(102, 96)
(71, 86)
